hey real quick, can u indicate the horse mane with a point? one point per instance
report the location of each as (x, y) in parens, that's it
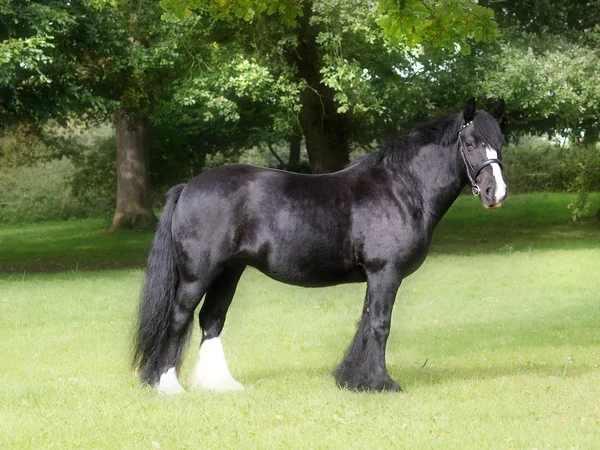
(441, 130)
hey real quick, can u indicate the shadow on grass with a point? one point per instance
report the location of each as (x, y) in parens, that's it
(560, 342)
(414, 378)
(411, 378)
(525, 223)
(71, 245)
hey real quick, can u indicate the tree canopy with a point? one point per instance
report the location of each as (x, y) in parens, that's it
(208, 75)
(546, 65)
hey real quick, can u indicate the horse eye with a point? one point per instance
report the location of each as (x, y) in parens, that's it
(470, 143)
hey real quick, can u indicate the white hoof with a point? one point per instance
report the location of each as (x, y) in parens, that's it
(211, 371)
(169, 384)
(201, 380)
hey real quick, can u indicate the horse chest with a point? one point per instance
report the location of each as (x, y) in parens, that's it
(405, 246)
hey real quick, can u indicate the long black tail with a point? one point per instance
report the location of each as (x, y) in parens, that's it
(162, 279)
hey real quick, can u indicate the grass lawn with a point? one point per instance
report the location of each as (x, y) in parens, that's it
(70, 245)
(496, 341)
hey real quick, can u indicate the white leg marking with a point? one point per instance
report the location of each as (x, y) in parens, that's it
(169, 384)
(211, 371)
(497, 172)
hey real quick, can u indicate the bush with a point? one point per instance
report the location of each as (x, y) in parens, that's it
(94, 180)
(22, 146)
(538, 165)
(57, 174)
(40, 192)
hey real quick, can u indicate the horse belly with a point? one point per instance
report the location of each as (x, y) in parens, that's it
(313, 268)
(302, 258)
(316, 279)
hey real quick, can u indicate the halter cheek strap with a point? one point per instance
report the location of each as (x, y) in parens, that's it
(471, 172)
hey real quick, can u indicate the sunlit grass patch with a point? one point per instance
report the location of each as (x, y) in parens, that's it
(498, 350)
(495, 341)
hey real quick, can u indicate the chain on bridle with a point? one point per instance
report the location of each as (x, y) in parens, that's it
(471, 172)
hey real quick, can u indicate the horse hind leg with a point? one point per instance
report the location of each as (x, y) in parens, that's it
(211, 371)
(187, 298)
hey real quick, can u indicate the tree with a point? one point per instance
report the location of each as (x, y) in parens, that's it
(62, 60)
(327, 52)
(227, 76)
(551, 85)
(546, 66)
(45, 53)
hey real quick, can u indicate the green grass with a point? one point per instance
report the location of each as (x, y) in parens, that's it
(70, 245)
(526, 222)
(495, 341)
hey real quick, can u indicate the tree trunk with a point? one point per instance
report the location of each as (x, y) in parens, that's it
(323, 127)
(134, 204)
(294, 158)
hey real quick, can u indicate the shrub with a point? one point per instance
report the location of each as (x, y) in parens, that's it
(22, 146)
(39, 192)
(538, 165)
(94, 179)
(57, 174)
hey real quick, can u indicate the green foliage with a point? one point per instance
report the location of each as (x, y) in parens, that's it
(375, 83)
(36, 193)
(24, 54)
(50, 53)
(93, 182)
(444, 24)
(247, 10)
(537, 165)
(56, 173)
(23, 146)
(573, 21)
(545, 66)
(587, 180)
(543, 80)
(580, 205)
(412, 22)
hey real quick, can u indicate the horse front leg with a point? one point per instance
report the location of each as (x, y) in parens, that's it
(364, 367)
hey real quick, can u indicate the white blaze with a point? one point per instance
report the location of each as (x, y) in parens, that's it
(169, 384)
(211, 371)
(497, 172)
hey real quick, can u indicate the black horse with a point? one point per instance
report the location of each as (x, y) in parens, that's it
(372, 221)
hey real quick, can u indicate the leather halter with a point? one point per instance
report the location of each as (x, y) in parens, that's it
(471, 172)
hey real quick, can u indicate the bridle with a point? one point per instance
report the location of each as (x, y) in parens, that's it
(471, 172)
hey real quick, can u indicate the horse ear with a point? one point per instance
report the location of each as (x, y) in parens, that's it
(499, 110)
(469, 111)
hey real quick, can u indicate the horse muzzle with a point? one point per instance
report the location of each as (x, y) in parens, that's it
(493, 196)
(493, 207)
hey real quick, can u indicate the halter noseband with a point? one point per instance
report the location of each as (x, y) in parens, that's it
(472, 173)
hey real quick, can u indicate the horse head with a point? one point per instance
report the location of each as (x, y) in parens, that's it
(480, 143)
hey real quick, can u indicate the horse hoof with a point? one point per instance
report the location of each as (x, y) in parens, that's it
(389, 385)
(373, 386)
(220, 380)
(215, 385)
(211, 371)
(175, 390)
(169, 384)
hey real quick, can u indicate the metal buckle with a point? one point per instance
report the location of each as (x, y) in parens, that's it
(476, 191)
